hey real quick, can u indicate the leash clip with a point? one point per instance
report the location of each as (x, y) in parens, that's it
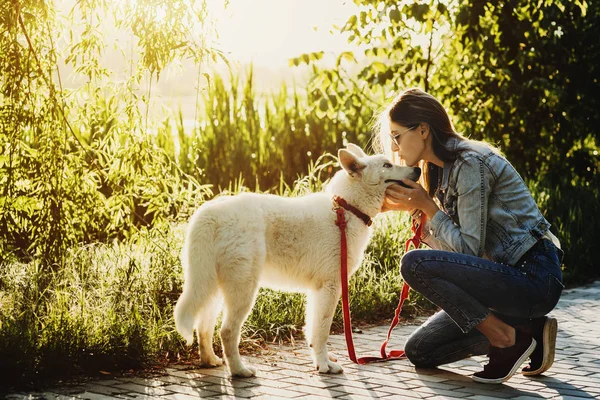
(336, 205)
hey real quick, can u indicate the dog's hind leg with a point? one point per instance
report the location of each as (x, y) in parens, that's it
(239, 298)
(320, 307)
(200, 285)
(205, 328)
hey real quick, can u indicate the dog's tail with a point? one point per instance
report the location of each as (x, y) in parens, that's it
(200, 286)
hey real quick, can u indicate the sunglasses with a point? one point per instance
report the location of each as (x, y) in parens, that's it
(398, 136)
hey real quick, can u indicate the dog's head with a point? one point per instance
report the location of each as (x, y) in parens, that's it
(376, 171)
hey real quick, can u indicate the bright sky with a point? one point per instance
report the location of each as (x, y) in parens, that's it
(265, 32)
(270, 32)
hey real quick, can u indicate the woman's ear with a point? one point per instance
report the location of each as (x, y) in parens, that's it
(351, 164)
(424, 130)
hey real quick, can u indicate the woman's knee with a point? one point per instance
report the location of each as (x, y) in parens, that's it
(415, 350)
(409, 263)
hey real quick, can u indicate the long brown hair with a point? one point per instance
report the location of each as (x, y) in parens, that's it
(411, 108)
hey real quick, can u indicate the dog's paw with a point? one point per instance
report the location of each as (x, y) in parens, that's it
(332, 357)
(329, 368)
(213, 361)
(244, 372)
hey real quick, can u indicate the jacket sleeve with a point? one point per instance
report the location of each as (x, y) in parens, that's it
(474, 183)
(428, 238)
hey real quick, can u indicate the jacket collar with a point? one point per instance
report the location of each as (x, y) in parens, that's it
(452, 144)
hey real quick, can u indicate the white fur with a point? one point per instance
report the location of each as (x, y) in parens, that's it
(236, 244)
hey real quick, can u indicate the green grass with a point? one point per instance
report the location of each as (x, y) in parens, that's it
(109, 307)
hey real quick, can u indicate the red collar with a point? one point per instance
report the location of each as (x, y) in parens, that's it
(338, 201)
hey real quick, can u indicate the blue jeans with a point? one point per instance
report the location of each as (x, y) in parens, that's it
(468, 289)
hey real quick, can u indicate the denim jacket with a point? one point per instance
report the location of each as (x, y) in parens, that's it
(487, 209)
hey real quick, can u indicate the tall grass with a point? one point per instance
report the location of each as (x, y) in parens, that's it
(262, 139)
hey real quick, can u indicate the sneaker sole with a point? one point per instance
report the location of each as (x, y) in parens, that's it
(514, 369)
(549, 341)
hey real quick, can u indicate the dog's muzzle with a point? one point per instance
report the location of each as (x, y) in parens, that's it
(413, 177)
(398, 182)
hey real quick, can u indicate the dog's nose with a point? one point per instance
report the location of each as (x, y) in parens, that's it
(417, 172)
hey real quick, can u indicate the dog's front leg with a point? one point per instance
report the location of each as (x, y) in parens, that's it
(320, 307)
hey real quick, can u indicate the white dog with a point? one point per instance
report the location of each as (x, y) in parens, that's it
(236, 244)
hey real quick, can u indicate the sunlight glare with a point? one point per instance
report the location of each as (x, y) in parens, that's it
(270, 32)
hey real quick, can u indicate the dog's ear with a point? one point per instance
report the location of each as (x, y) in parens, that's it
(356, 150)
(350, 162)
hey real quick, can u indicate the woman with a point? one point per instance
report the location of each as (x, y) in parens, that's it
(494, 268)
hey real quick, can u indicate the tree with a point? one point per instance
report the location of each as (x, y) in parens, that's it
(59, 182)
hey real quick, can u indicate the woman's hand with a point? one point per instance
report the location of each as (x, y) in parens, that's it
(399, 198)
(389, 205)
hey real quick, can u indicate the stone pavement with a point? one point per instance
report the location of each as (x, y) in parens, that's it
(287, 372)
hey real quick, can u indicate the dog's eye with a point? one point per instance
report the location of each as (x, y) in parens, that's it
(387, 165)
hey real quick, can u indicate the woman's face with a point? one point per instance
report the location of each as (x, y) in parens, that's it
(407, 142)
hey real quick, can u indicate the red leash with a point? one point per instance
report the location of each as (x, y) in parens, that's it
(393, 354)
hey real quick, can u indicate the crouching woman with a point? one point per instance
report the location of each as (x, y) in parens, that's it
(494, 267)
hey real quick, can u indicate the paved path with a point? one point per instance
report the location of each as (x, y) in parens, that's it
(287, 372)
